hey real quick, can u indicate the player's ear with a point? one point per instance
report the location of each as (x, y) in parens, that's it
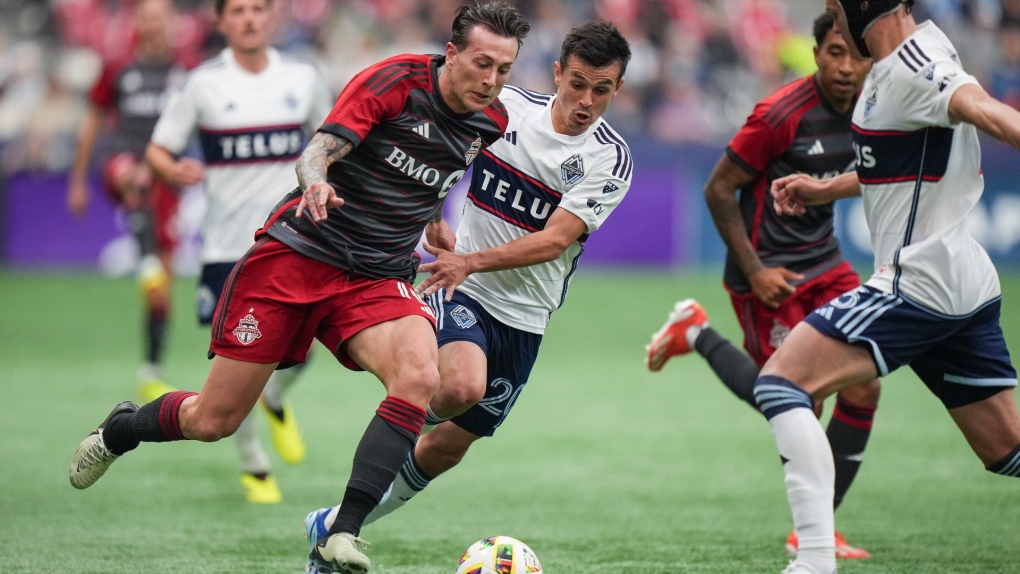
(556, 72)
(451, 52)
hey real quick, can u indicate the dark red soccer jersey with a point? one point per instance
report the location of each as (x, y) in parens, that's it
(136, 92)
(794, 130)
(410, 149)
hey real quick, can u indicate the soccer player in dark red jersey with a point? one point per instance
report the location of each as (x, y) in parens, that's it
(780, 268)
(335, 261)
(135, 93)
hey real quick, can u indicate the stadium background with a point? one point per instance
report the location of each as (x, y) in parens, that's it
(603, 467)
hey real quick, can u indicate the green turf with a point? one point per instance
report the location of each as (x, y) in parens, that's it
(603, 467)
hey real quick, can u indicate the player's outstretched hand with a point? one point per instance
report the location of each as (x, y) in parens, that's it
(319, 197)
(793, 193)
(771, 285)
(447, 272)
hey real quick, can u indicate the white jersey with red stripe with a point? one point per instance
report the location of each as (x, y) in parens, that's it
(251, 128)
(920, 177)
(517, 183)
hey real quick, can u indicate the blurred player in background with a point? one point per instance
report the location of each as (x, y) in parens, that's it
(934, 298)
(335, 261)
(135, 93)
(780, 268)
(253, 109)
(535, 197)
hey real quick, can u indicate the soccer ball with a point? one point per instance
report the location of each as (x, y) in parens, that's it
(499, 555)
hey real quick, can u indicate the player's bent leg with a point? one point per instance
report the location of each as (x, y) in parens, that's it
(403, 354)
(230, 392)
(228, 395)
(848, 432)
(992, 428)
(462, 372)
(808, 366)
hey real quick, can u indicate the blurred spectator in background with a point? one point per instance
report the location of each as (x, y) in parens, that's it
(130, 94)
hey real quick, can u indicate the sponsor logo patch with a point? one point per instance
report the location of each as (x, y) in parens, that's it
(472, 151)
(247, 329)
(572, 170)
(463, 317)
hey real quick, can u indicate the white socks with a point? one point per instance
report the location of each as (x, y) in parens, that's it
(278, 385)
(254, 459)
(810, 479)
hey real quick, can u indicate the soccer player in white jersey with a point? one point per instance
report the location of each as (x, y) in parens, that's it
(253, 109)
(933, 300)
(535, 196)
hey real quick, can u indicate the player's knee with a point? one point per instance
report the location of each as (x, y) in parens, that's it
(457, 394)
(776, 395)
(212, 429)
(416, 384)
(863, 395)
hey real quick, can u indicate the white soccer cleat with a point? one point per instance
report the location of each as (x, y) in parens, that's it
(340, 554)
(92, 458)
(797, 567)
(671, 339)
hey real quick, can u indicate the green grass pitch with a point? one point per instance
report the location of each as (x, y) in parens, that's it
(602, 468)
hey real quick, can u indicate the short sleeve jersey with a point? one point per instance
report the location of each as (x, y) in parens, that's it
(920, 177)
(137, 93)
(251, 128)
(410, 149)
(516, 185)
(794, 130)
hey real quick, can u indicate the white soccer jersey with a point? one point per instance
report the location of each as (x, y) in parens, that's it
(920, 176)
(252, 128)
(516, 185)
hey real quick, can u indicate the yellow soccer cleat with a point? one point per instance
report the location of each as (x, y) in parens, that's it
(152, 389)
(151, 275)
(287, 438)
(261, 490)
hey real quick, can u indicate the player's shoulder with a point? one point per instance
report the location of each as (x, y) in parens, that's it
(923, 51)
(209, 68)
(517, 97)
(618, 151)
(785, 103)
(411, 68)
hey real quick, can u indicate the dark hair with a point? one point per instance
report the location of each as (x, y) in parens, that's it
(597, 44)
(823, 24)
(221, 5)
(497, 16)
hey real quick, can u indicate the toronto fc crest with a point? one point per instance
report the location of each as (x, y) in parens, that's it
(472, 151)
(248, 329)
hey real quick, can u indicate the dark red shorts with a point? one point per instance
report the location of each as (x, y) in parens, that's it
(765, 329)
(163, 201)
(276, 301)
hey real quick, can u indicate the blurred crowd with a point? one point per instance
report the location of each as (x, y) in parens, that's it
(698, 67)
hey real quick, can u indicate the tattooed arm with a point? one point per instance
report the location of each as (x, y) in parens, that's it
(318, 195)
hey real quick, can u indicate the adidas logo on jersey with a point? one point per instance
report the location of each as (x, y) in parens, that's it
(422, 130)
(511, 137)
(816, 149)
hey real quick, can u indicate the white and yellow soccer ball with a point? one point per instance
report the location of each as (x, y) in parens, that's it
(499, 555)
